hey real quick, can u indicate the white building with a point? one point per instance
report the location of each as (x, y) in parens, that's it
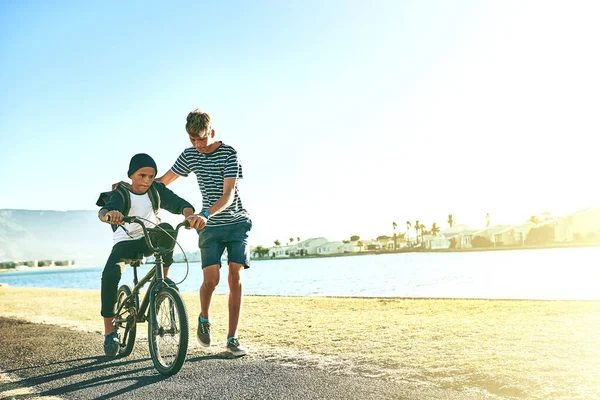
(461, 235)
(336, 248)
(309, 246)
(434, 242)
(282, 251)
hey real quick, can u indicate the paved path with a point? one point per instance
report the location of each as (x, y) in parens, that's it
(54, 361)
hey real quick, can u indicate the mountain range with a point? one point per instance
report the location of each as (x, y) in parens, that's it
(68, 235)
(53, 235)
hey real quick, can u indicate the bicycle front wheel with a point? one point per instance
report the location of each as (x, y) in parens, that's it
(168, 339)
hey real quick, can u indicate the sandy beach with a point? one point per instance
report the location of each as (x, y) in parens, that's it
(511, 349)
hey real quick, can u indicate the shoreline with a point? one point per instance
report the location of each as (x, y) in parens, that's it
(420, 250)
(361, 253)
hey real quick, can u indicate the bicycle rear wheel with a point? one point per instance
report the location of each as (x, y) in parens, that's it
(126, 320)
(168, 340)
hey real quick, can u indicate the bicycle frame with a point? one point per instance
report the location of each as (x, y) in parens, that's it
(155, 276)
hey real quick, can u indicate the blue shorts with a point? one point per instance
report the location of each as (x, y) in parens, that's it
(213, 240)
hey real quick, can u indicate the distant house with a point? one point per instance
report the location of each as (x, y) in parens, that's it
(371, 245)
(581, 225)
(563, 229)
(303, 248)
(461, 235)
(493, 233)
(339, 248)
(433, 242)
(309, 246)
(331, 248)
(513, 234)
(281, 251)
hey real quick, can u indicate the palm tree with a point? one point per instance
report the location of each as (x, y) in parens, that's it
(487, 220)
(417, 227)
(450, 220)
(360, 244)
(277, 243)
(422, 228)
(394, 225)
(291, 240)
(434, 229)
(408, 226)
(298, 239)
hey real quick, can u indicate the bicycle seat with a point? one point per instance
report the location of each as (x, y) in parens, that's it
(134, 262)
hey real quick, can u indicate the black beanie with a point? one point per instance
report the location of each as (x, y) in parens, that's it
(140, 161)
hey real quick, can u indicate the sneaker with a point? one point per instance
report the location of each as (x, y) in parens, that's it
(204, 333)
(111, 344)
(235, 348)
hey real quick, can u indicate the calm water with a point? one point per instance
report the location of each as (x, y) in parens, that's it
(569, 274)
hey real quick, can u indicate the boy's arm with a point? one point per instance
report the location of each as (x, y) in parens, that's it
(114, 205)
(226, 199)
(180, 168)
(173, 203)
(167, 178)
(233, 172)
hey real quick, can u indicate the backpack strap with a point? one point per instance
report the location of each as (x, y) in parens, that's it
(122, 190)
(154, 198)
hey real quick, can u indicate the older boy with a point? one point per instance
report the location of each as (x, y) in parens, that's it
(129, 241)
(223, 221)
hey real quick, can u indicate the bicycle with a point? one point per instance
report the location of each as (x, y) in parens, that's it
(162, 307)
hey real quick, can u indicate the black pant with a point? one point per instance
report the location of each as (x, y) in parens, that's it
(129, 250)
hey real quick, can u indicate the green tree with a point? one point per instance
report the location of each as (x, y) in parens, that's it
(434, 229)
(354, 238)
(535, 219)
(408, 226)
(277, 243)
(291, 240)
(487, 220)
(298, 239)
(394, 225)
(261, 251)
(450, 220)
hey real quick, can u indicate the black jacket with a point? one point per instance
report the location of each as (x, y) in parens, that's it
(168, 200)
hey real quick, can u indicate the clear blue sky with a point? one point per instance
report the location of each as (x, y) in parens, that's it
(348, 115)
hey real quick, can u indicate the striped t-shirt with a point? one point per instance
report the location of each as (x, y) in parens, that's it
(211, 169)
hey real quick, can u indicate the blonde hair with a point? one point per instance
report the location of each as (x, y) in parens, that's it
(197, 121)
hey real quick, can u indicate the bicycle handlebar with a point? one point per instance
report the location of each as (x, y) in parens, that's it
(136, 220)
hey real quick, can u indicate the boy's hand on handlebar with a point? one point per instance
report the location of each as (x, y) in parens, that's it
(113, 217)
(196, 221)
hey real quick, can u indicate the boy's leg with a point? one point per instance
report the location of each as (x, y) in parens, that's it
(211, 277)
(239, 258)
(211, 250)
(235, 297)
(111, 275)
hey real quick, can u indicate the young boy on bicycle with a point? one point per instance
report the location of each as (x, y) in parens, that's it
(142, 198)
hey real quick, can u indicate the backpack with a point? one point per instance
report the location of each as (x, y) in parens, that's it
(124, 193)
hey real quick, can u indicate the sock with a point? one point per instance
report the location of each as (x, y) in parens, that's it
(230, 339)
(202, 319)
